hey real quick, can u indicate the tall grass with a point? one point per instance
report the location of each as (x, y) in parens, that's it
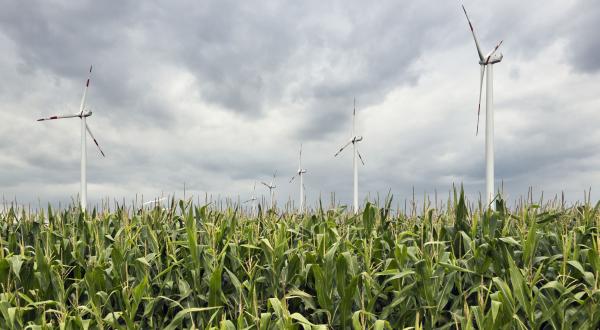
(190, 266)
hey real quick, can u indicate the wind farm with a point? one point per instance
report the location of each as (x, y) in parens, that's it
(305, 166)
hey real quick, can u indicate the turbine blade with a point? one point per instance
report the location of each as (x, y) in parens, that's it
(342, 148)
(480, 91)
(360, 157)
(354, 118)
(60, 117)
(93, 138)
(300, 157)
(474, 37)
(266, 185)
(487, 60)
(87, 85)
(154, 201)
(292, 179)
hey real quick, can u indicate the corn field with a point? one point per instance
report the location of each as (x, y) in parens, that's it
(192, 267)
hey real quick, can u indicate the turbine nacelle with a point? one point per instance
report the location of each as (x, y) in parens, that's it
(357, 139)
(269, 186)
(492, 58)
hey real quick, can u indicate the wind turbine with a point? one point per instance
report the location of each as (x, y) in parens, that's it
(300, 174)
(253, 199)
(486, 63)
(354, 141)
(82, 114)
(271, 186)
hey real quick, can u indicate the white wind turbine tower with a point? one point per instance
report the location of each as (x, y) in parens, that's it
(486, 62)
(82, 114)
(300, 174)
(253, 200)
(271, 186)
(354, 141)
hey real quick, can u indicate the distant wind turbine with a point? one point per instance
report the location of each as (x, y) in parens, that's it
(486, 62)
(253, 199)
(300, 174)
(271, 186)
(354, 141)
(82, 114)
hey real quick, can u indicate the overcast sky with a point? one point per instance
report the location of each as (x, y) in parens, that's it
(219, 94)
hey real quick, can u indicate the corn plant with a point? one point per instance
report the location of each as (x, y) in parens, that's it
(190, 266)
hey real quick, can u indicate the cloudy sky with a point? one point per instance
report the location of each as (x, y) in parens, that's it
(219, 94)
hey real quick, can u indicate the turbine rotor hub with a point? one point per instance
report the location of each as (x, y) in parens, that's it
(493, 59)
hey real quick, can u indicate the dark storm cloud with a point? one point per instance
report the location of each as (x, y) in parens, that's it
(243, 55)
(235, 50)
(246, 56)
(62, 36)
(528, 28)
(372, 58)
(584, 45)
(64, 39)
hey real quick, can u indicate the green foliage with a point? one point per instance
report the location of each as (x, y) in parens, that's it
(197, 267)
